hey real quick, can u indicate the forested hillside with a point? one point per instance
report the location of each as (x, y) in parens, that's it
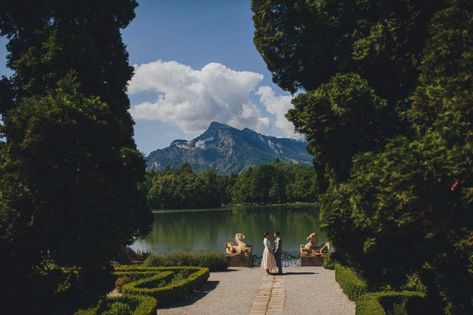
(265, 184)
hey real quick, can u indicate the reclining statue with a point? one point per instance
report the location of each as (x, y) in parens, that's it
(311, 248)
(239, 247)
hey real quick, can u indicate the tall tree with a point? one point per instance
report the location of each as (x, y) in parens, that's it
(387, 112)
(275, 183)
(182, 188)
(304, 43)
(70, 177)
(47, 39)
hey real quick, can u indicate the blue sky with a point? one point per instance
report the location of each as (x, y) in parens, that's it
(196, 63)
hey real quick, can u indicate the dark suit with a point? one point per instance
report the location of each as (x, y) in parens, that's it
(278, 252)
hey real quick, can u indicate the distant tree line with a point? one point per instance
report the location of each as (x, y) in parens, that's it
(268, 183)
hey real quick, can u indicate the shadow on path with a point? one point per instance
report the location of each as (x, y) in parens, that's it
(298, 273)
(197, 295)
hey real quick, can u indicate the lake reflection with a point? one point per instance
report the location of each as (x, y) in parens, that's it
(208, 230)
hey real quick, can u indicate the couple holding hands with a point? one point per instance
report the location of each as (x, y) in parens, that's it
(272, 255)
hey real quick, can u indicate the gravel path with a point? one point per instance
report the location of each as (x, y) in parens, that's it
(307, 290)
(313, 290)
(230, 292)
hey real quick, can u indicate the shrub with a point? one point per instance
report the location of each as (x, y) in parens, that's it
(369, 304)
(90, 311)
(141, 305)
(126, 304)
(329, 262)
(390, 302)
(118, 308)
(213, 261)
(159, 279)
(351, 284)
(168, 284)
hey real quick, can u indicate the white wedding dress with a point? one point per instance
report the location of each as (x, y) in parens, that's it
(268, 261)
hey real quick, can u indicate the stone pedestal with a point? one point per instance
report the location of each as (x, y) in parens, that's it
(312, 261)
(239, 260)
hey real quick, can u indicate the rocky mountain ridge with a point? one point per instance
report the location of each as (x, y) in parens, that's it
(228, 150)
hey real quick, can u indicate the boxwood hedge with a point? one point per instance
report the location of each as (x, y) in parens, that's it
(168, 284)
(213, 261)
(381, 302)
(391, 302)
(146, 288)
(140, 305)
(351, 284)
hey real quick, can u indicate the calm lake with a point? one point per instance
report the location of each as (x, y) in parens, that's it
(208, 230)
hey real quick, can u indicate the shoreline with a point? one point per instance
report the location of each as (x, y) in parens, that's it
(238, 206)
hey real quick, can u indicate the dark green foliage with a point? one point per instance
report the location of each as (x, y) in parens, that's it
(213, 261)
(342, 118)
(388, 116)
(134, 304)
(268, 183)
(91, 310)
(351, 284)
(148, 284)
(141, 305)
(182, 188)
(58, 178)
(275, 183)
(389, 222)
(392, 303)
(176, 282)
(6, 95)
(382, 302)
(50, 38)
(329, 262)
(369, 304)
(117, 308)
(70, 173)
(305, 43)
(225, 185)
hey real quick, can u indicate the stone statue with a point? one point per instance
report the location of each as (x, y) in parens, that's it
(239, 248)
(311, 248)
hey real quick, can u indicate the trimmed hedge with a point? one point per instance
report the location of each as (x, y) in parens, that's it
(144, 288)
(118, 308)
(213, 261)
(351, 284)
(89, 311)
(140, 305)
(392, 303)
(186, 280)
(379, 303)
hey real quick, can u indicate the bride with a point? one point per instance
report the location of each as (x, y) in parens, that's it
(268, 262)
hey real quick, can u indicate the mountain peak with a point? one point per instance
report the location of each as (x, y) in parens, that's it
(228, 150)
(218, 125)
(248, 130)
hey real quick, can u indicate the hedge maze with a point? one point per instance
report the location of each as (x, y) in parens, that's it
(143, 288)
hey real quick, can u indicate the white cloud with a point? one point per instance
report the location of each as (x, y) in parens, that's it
(278, 105)
(191, 98)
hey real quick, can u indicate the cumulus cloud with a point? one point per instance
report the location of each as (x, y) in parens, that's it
(278, 105)
(192, 98)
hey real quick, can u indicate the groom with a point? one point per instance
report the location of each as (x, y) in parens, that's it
(278, 251)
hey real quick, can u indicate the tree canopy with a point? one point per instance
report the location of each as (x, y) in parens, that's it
(264, 184)
(71, 178)
(385, 103)
(275, 183)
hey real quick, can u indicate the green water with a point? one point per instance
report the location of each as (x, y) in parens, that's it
(208, 230)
